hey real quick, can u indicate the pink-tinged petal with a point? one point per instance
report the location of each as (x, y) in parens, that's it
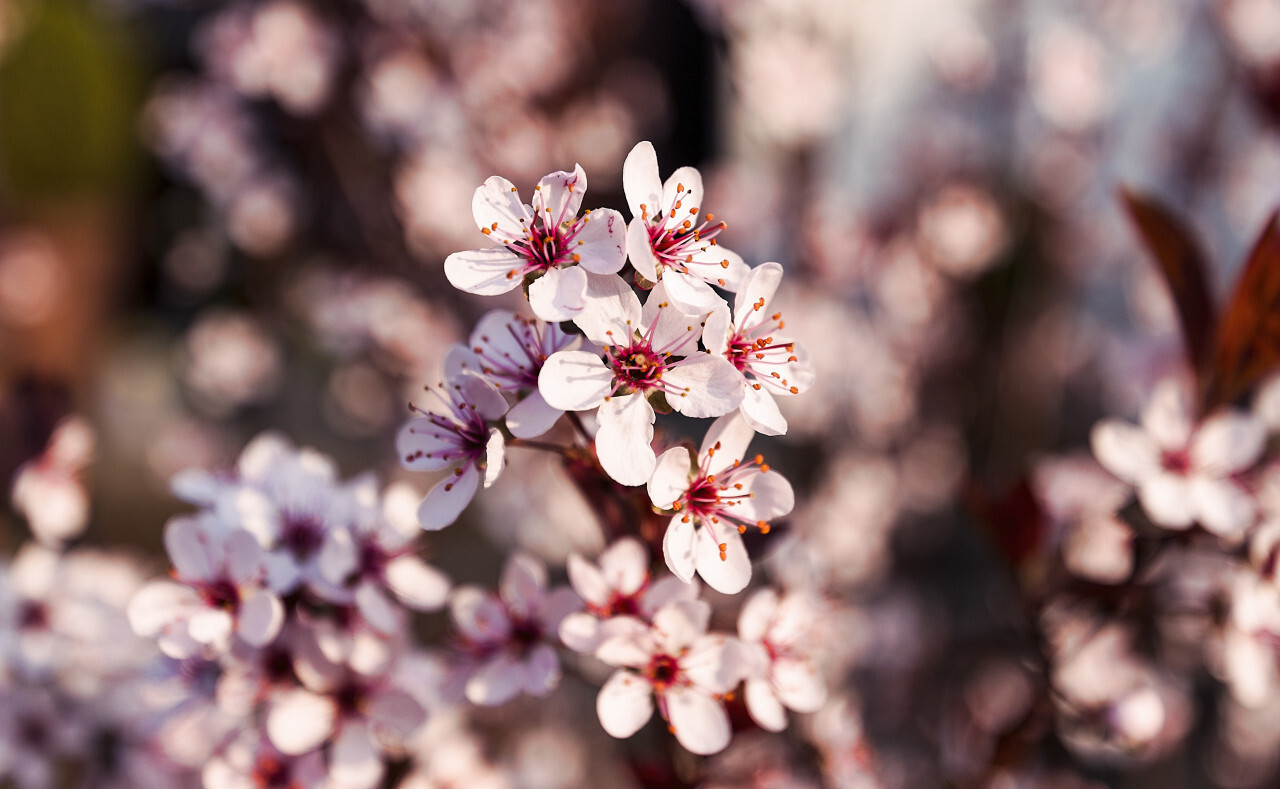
(574, 380)
(1228, 443)
(716, 663)
(612, 311)
(689, 294)
(244, 561)
(353, 761)
(756, 614)
(667, 589)
(446, 501)
(1125, 450)
(764, 707)
(337, 560)
(682, 193)
(625, 565)
(558, 195)
(602, 242)
(624, 439)
(395, 716)
(640, 251)
(481, 395)
(721, 266)
(459, 361)
(494, 330)
(523, 582)
(478, 615)
(671, 329)
(751, 306)
(717, 330)
(771, 496)
(497, 201)
(495, 456)
(580, 632)
(187, 544)
(625, 704)
(698, 720)
(679, 624)
(261, 617)
(532, 416)
(794, 619)
(495, 682)
(559, 294)
(418, 585)
(729, 575)
(299, 721)
(159, 605)
(421, 445)
(670, 478)
(378, 611)
(798, 685)
(678, 547)
(761, 411)
(1222, 506)
(485, 272)
(641, 182)
(587, 580)
(1250, 668)
(541, 669)
(705, 386)
(555, 606)
(1166, 498)
(1167, 416)
(212, 627)
(729, 436)
(626, 642)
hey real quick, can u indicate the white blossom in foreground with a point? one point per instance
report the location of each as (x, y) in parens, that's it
(773, 633)
(715, 501)
(667, 240)
(454, 433)
(546, 239)
(648, 351)
(509, 353)
(617, 592)
(508, 639)
(220, 591)
(676, 662)
(770, 365)
(1184, 473)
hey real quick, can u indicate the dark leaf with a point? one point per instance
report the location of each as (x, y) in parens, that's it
(1248, 345)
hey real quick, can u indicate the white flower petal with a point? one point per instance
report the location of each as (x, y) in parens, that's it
(497, 201)
(612, 310)
(541, 670)
(761, 411)
(641, 182)
(699, 721)
(625, 565)
(718, 330)
(377, 609)
(555, 606)
(485, 272)
(1227, 443)
(1222, 506)
(1167, 416)
(771, 496)
(495, 456)
(1125, 450)
(640, 251)
(422, 445)
(764, 707)
(602, 242)
(682, 193)
(667, 589)
(353, 761)
(260, 619)
(532, 416)
(446, 501)
(678, 546)
(721, 266)
(670, 478)
(559, 294)
(624, 439)
(679, 624)
(1166, 498)
(711, 386)
(689, 294)
(559, 195)
(756, 615)
(160, 604)
(580, 632)
(729, 575)
(478, 615)
(299, 721)
(523, 582)
(496, 682)
(625, 704)
(575, 380)
(751, 306)
(337, 559)
(212, 627)
(716, 663)
(729, 436)
(798, 685)
(187, 544)
(418, 585)
(587, 580)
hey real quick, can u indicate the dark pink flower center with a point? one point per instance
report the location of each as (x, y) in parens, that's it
(302, 536)
(662, 671)
(221, 594)
(1176, 461)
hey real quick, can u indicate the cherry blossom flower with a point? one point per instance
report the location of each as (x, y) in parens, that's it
(686, 669)
(648, 351)
(509, 353)
(251, 761)
(454, 433)
(220, 591)
(546, 239)
(1185, 473)
(781, 674)
(715, 502)
(769, 364)
(48, 490)
(508, 638)
(618, 589)
(666, 240)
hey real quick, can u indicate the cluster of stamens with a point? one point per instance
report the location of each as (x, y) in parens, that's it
(675, 238)
(537, 341)
(639, 367)
(711, 498)
(755, 350)
(545, 242)
(464, 429)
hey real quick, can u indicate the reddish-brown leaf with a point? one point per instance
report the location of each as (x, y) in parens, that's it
(1248, 344)
(1184, 268)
